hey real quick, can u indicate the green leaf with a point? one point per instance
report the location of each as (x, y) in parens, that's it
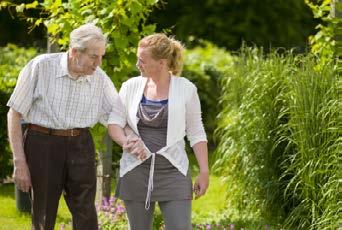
(52, 28)
(151, 2)
(20, 8)
(4, 4)
(149, 29)
(32, 5)
(38, 22)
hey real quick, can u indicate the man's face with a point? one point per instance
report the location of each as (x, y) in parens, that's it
(88, 60)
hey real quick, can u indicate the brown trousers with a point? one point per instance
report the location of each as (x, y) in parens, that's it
(60, 164)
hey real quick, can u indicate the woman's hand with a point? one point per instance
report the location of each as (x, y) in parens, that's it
(135, 146)
(201, 184)
(202, 180)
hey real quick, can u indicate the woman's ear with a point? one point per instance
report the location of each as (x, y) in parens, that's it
(163, 62)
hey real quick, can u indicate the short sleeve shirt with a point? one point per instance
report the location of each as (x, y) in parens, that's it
(47, 95)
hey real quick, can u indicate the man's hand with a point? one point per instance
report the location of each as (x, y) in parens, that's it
(21, 175)
(135, 146)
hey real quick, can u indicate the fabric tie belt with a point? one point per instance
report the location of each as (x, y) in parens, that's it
(150, 183)
(56, 132)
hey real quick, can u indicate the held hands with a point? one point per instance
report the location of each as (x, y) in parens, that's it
(21, 175)
(135, 146)
(201, 184)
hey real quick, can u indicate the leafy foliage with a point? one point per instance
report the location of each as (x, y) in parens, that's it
(270, 23)
(11, 61)
(123, 23)
(204, 66)
(324, 42)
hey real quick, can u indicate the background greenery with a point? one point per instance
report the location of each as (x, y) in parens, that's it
(272, 115)
(12, 60)
(278, 140)
(272, 23)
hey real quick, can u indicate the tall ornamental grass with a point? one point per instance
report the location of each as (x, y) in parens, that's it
(312, 164)
(279, 144)
(247, 158)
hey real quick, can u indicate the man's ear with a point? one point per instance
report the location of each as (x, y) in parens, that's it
(73, 52)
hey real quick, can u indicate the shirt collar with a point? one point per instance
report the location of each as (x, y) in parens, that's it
(63, 65)
(64, 72)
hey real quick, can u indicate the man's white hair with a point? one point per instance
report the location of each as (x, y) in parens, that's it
(85, 33)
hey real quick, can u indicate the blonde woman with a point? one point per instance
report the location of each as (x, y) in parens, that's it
(161, 108)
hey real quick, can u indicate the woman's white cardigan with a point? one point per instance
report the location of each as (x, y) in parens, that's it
(184, 118)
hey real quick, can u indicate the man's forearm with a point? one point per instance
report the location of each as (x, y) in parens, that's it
(129, 131)
(117, 134)
(15, 135)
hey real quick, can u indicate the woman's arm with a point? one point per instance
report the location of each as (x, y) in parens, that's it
(202, 180)
(198, 141)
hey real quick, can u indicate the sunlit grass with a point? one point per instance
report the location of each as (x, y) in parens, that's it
(212, 204)
(204, 208)
(11, 219)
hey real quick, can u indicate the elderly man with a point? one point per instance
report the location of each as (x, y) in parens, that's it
(60, 95)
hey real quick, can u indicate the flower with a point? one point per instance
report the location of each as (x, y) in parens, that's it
(120, 209)
(112, 200)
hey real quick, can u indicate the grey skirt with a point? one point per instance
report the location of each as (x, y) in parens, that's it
(168, 183)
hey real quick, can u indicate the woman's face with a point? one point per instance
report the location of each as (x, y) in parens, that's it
(146, 64)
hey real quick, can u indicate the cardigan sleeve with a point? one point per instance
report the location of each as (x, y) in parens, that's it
(118, 114)
(194, 126)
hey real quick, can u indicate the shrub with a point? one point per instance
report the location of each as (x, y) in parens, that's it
(12, 60)
(204, 66)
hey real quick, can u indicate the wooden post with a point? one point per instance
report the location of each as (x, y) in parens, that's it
(104, 171)
(336, 12)
(51, 47)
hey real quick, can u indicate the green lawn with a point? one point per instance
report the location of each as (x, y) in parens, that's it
(10, 218)
(211, 204)
(204, 208)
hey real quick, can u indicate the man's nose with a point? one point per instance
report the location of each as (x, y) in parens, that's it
(98, 61)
